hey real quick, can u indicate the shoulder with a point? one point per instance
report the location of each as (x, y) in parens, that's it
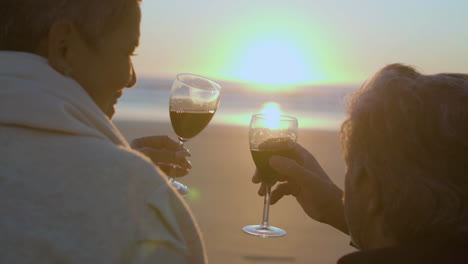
(120, 167)
(104, 158)
(79, 197)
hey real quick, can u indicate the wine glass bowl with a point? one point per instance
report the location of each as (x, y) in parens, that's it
(270, 136)
(193, 102)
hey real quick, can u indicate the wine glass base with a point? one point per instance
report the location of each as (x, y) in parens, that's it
(180, 188)
(264, 231)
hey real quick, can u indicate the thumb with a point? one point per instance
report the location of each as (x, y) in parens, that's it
(289, 169)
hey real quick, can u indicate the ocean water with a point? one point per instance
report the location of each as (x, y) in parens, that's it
(317, 107)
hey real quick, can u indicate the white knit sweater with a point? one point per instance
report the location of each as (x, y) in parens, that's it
(71, 189)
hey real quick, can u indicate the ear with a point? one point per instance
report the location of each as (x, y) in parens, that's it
(60, 41)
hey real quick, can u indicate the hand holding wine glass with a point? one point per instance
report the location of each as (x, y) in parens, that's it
(303, 177)
(164, 152)
(270, 136)
(193, 102)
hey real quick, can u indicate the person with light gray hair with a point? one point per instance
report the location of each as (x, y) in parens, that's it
(72, 189)
(405, 144)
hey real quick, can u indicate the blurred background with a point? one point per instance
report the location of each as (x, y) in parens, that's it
(297, 57)
(300, 56)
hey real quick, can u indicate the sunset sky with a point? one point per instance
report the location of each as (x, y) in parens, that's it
(300, 42)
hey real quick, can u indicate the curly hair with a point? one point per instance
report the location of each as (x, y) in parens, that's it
(411, 132)
(23, 23)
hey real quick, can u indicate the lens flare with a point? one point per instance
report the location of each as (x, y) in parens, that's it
(273, 112)
(194, 194)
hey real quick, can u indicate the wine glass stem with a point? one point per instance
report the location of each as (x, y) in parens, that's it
(173, 173)
(266, 207)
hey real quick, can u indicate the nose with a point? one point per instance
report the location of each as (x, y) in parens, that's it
(133, 78)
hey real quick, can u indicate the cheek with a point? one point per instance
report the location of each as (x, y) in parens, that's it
(105, 79)
(114, 77)
(355, 217)
(353, 224)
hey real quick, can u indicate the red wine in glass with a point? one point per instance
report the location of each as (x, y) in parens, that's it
(262, 161)
(188, 124)
(270, 136)
(193, 102)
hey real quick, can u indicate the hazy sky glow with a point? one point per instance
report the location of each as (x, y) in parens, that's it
(300, 42)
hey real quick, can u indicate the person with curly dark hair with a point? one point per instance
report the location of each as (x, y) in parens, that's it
(405, 143)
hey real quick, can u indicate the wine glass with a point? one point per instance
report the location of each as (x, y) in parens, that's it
(193, 102)
(270, 136)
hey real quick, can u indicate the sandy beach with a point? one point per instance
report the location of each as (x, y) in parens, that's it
(224, 200)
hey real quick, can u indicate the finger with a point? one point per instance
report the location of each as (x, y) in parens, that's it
(166, 156)
(181, 156)
(262, 189)
(256, 177)
(166, 168)
(180, 172)
(289, 169)
(281, 190)
(157, 142)
(281, 178)
(262, 177)
(173, 172)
